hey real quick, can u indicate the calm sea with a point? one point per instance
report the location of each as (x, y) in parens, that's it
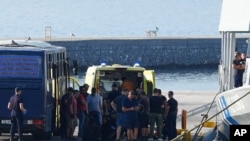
(197, 79)
(109, 18)
(119, 18)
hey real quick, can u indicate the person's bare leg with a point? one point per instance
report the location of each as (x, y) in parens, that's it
(129, 134)
(135, 133)
(118, 132)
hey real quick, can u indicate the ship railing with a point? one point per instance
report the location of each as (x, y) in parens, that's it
(205, 119)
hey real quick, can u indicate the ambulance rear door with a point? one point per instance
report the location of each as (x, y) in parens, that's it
(148, 81)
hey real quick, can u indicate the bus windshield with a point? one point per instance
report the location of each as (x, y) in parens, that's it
(20, 66)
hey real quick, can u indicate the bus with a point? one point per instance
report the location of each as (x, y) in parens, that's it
(41, 70)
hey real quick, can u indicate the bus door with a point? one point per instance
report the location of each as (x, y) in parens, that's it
(148, 82)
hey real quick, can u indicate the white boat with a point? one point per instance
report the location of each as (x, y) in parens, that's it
(235, 106)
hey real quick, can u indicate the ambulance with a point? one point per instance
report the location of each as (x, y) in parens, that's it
(103, 76)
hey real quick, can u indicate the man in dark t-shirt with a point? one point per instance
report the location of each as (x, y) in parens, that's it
(111, 96)
(17, 110)
(239, 68)
(117, 106)
(63, 121)
(172, 110)
(155, 115)
(143, 114)
(164, 113)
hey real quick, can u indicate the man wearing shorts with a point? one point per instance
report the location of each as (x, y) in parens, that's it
(130, 108)
(117, 106)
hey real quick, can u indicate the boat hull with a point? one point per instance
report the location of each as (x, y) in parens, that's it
(236, 108)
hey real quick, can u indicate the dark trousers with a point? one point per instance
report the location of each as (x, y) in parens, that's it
(164, 129)
(63, 126)
(16, 122)
(94, 121)
(171, 125)
(238, 81)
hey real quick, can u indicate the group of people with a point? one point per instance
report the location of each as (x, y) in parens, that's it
(77, 107)
(138, 114)
(239, 64)
(133, 112)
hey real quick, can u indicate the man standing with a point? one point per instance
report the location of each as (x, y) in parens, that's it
(94, 109)
(117, 106)
(63, 120)
(239, 68)
(155, 115)
(111, 96)
(172, 110)
(143, 114)
(17, 110)
(71, 113)
(130, 108)
(164, 114)
(81, 111)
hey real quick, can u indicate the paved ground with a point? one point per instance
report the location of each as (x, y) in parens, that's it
(195, 102)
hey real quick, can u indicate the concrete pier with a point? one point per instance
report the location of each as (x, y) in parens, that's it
(149, 52)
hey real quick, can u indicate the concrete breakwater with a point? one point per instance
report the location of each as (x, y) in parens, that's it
(149, 52)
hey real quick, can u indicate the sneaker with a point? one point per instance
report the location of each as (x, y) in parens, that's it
(150, 139)
(160, 139)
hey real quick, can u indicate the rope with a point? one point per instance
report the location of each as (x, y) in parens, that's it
(180, 136)
(205, 116)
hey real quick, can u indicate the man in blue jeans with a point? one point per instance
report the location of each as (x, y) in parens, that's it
(17, 109)
(81, 110)
(94, 108)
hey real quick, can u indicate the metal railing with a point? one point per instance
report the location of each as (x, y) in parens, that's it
(206, 119)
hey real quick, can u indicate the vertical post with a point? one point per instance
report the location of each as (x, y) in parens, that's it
(184, 119)
(47, 33)
(232, 53)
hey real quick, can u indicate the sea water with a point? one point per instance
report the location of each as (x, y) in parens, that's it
(119, 18)
(108, 18)
(194, 79)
